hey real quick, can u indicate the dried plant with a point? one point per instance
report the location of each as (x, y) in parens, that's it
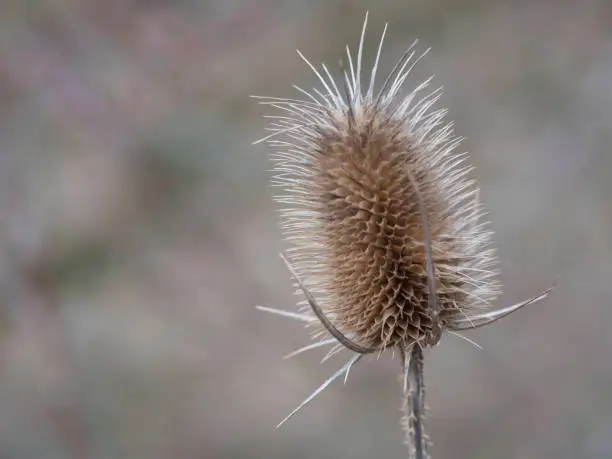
(388, 245)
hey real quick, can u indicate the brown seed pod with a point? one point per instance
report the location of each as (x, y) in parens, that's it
(385, 226)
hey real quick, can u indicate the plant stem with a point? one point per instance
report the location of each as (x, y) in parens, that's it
(414, 404)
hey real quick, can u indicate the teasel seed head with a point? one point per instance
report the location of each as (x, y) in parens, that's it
(358, 172)
(385, 225)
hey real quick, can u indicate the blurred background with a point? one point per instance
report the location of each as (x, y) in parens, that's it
(137, 230)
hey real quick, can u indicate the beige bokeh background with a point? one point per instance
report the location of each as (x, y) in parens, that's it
(137, 231)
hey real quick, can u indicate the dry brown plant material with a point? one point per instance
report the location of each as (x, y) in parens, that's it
(387, 242)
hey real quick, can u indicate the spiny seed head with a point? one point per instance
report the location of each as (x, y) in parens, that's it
(388, 245)
(383, 221)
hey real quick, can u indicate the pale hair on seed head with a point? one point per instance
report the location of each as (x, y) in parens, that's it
(385, 225)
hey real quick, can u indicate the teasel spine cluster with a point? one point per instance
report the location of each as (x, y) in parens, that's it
(389, 249)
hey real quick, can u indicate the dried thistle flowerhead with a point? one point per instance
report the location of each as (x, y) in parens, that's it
(385, 226)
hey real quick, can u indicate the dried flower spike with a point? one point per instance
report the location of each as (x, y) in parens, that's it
(387, 240)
